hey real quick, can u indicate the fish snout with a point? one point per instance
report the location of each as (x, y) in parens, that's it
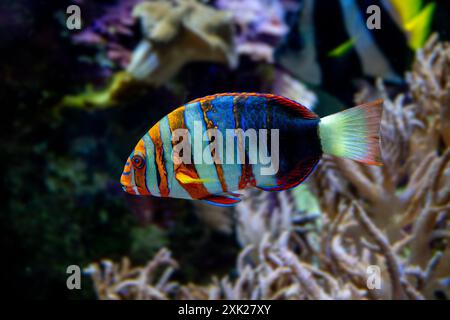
(126, 179)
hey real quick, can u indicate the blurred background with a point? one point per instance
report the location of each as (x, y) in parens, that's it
(82, 81)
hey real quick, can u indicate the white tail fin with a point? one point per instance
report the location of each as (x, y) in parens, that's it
(353, 133)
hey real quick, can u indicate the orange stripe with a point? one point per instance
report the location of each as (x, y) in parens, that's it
(207, 106)
(140, 148)
(139, 174)
(159, 159)
(247, 177)
(195, 190)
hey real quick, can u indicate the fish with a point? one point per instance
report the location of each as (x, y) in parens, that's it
(330, 44)
(195, 166)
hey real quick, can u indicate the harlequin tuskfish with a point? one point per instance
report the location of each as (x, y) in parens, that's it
(218, 156)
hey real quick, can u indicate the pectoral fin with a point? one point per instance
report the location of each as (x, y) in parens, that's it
(186, 179)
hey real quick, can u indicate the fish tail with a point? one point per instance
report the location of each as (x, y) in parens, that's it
(353, 133)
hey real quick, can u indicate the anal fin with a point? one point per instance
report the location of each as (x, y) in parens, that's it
(293, 178)
(223, 199)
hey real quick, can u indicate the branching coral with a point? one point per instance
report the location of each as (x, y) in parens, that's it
(278, 275)
(121, 281)
(394, 218)
(430, 83)
(408, 199)
(271, 213)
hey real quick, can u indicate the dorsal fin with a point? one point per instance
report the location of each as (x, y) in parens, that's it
(282, 101)
(288, 103)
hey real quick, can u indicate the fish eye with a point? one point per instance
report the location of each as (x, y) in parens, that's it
(138, 161)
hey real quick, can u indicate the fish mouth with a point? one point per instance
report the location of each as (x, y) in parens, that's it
(135, 190)
(127, 189)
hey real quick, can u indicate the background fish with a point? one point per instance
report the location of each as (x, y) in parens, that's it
(330, 44)
(303, 138)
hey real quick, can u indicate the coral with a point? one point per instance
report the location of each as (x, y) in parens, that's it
(263, 213)
(430, 86)
(278, 275)
(260, 26)
(393, 218)
(408, 198)
(113, 281)
(109, 32)
(176, 33)
(122, 84)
